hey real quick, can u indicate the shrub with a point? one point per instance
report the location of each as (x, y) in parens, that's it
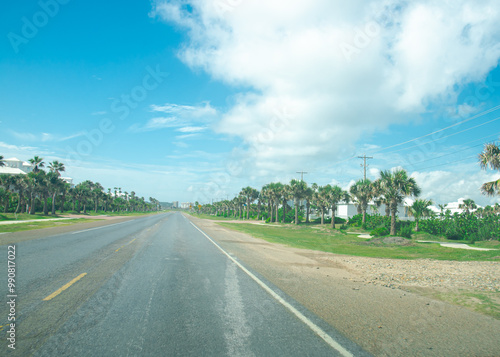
(380, 231)
(405, 231)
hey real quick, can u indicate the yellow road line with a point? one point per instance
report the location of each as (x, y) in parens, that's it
(125, 244)
(64, 287)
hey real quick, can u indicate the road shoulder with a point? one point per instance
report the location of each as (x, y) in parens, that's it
(386, 321)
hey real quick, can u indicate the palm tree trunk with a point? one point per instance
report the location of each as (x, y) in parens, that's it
(277, 207)
(333, 216)
(284, 210)
(393, 220)
(308, 207)
(45, 205)
(296, 212)
(322, 215)
(53, 212)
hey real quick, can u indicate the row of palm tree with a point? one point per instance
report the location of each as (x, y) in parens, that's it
(390, 189)
(39, 186)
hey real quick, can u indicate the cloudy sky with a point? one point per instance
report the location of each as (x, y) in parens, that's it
(194, 99)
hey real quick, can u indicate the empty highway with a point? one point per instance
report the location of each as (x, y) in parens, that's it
(152, 286)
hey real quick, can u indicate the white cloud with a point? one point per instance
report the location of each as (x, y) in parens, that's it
(292, 54)
(191, 129)
(177, 116)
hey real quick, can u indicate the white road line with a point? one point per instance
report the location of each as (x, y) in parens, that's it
(327, 338)
(91, 229)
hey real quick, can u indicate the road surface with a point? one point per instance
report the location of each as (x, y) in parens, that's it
(152, 286)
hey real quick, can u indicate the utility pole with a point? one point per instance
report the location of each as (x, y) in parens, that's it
(301, 175)
(364, 157)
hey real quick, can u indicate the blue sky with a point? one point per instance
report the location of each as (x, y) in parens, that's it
(193, 100)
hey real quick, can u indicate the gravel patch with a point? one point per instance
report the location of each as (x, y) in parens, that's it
(393, 273)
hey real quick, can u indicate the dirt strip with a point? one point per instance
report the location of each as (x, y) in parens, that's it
(383, 317)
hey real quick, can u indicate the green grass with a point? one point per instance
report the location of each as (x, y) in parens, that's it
(326, 240)
(24, 216)
(18, 227)
(485, 303)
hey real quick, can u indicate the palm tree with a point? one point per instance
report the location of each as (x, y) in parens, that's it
(309, 196)
(37, 163)
(490, 157)
(468, 205)
(2, 162)
(363, 192)
(419, 209)
(379, 198)
(96, 190)
(441, 208)
(298, 190)
(395, 186)
(57, 167)
(334, 195)
(320, 200)
(286, 194)
(251, 194)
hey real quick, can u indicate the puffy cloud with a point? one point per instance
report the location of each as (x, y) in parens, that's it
(338, 70)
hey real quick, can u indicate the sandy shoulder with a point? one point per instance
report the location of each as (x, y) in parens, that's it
(367, 299)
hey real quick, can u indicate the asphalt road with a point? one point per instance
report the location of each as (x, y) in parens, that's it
(153, 286)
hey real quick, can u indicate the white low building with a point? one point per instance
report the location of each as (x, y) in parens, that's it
(14, 166)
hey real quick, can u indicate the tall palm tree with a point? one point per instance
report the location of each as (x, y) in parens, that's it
(2, 161)
(251, 194)
(363, 192)
(395, 186)
(419, 209)
(335, 195)
(468, 205)
(379, 198)
(57, 167)
(308, 197)
(37, 163)
(298, 190)
(490, 157)
(320, 198)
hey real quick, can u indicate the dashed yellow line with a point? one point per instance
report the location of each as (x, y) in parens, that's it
(125, 244)
(64, 287)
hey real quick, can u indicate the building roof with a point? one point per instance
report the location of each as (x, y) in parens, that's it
(11, 171)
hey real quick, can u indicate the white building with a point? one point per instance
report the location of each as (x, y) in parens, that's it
(14, 166)
(187, 205)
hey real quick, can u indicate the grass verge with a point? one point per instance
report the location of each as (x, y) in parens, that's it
(326, 240)
(9, 228)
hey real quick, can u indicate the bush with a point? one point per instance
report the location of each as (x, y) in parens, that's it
(405, 231)
(380, 231)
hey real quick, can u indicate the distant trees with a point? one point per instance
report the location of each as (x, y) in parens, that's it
(35, 190)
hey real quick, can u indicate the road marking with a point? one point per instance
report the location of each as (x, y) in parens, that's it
(64, 287)
(91, 229)
(316, 329)
(125, 244)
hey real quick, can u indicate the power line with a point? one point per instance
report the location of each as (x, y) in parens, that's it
(440, 130)
(447, 136)
(445, 164)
